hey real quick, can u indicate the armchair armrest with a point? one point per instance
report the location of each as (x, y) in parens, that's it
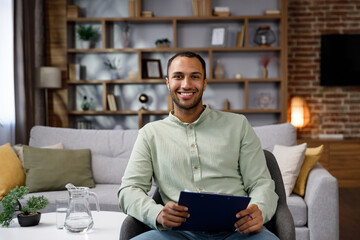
(322, 200)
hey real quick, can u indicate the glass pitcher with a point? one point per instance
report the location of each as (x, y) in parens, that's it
(78, 216)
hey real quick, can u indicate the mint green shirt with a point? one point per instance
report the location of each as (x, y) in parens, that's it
(219, 153)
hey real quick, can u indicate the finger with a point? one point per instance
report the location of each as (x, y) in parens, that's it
(177, 213)
(179, 208)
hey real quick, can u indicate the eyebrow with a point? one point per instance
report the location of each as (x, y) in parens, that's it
(183, 73)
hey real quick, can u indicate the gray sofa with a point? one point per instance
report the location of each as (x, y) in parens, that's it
(316, 216)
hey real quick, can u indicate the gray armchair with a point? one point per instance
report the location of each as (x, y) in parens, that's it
(282, 223)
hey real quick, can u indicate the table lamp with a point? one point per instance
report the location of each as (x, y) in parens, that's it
(48, 78)
(299, 112)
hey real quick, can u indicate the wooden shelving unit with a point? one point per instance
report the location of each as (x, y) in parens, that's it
(246, 21)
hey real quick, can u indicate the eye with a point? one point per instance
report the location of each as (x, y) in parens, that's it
(177, 76)
(196, 76)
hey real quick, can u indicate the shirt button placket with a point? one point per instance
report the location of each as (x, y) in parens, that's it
(194, 156)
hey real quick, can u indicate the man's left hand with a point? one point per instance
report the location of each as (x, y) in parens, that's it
(250, 220)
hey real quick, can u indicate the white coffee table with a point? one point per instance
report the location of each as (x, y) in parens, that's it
(107, 226)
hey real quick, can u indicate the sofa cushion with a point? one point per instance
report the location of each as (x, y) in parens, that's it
(298, 209)
(20, 153)
(290, 160)
(281, 134)
(11, 171)
(312, 155)
(52, 169)
(108, 147)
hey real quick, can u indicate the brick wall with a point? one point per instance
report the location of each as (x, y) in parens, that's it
(334, 110)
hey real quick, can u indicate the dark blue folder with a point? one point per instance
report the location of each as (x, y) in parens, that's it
(211, 212)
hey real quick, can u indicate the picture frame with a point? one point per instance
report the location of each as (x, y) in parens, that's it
(151, 69)
(218, 36)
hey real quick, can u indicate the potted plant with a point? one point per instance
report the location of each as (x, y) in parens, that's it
(114, 66)
(162, 43)
(86, 35)
(29, 215)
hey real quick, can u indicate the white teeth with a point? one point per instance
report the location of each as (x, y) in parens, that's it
(186, 94)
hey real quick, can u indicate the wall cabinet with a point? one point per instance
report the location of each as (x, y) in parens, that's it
(262, 100)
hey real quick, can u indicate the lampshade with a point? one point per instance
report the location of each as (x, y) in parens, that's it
(48, 77)
(299, 112)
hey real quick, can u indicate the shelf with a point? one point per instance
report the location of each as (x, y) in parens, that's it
(162, 81)
(242, 93)
(203, 49)
(167, 19)
(119, 81)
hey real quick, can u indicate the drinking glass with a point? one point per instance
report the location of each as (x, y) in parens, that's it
(61, 208)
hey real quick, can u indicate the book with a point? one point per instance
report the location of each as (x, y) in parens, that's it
(111, 102)
(131, 8)
(240, 37)
(211, 212)
(74, 72)
(194, 5)
(270, 11)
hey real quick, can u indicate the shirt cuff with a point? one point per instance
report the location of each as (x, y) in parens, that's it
(153, 213)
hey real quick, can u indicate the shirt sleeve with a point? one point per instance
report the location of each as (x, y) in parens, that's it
(256, 176)
(136, 182)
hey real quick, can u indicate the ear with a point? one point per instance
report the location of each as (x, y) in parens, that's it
(205, 83)
(167, 83)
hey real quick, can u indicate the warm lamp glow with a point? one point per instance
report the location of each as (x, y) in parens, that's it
(299, 112)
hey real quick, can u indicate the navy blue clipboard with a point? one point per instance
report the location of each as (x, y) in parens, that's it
(211, 212)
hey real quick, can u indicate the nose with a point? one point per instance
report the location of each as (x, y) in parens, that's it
(186, 82)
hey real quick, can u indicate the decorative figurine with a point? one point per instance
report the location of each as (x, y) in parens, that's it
(143, 98)
(85, 105)
(264, 36)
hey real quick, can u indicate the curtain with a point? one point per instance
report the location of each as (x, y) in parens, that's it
(7, 107)
(29, 53)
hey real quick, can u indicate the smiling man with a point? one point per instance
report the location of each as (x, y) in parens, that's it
(198, 149)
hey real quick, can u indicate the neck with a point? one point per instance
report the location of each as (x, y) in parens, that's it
(188, 115)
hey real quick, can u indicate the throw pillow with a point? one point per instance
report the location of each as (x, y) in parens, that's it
(11, 170)
(19, 150)
(290, 160)
(52, 169)
(312, 155)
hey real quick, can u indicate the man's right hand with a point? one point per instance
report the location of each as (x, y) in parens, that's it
(172, 215)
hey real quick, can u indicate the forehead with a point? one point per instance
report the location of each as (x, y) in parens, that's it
(185, 64)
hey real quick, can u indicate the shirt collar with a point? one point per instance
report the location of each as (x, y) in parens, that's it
(196, 122)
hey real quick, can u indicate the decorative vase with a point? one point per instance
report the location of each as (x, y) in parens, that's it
(85, 44)
(114, 74)
(265, 72)
(28, 220)
(219, 71)
(125, 39)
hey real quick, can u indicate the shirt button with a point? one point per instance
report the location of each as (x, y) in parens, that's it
(190, 127)
(192, 145)
(196, 167)
(200, 189)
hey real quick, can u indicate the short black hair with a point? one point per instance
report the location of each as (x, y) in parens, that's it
(189, 55)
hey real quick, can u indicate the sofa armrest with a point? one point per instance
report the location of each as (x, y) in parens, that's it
(322, 200)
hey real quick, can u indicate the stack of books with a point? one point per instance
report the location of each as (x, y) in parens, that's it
(111, 102)
(221, 11)
(201, 7)
(272, 11)
(146, 13)
(73, 11)
(134, 8)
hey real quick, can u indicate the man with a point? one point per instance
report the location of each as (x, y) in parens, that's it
(198, 149)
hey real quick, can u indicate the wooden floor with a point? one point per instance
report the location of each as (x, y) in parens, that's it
(349, 207)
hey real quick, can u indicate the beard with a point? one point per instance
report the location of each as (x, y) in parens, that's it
(189, 105)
